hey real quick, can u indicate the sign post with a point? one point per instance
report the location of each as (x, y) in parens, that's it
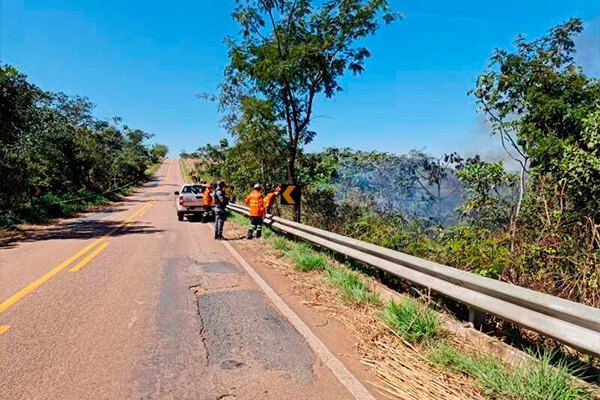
(291, 195)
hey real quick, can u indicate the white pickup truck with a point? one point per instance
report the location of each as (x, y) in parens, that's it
(190, 200)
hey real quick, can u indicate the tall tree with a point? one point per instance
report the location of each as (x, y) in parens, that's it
(537, 99)
(289, 52)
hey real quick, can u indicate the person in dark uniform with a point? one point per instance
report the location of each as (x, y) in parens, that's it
(221, 201)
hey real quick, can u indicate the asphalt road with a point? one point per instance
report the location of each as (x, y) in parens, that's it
(129, 303)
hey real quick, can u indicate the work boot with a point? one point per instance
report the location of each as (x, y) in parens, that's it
(216, 236)
(250, 234)
(258, 234)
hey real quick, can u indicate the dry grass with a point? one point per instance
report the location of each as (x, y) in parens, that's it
(400, 369)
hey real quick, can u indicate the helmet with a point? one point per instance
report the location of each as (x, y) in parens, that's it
(257, 186)
(278, 189)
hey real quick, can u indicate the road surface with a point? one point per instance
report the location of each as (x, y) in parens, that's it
(129, 303)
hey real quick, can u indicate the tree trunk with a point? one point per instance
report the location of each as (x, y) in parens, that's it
(513, 223)
(292, 181)
(521, 190)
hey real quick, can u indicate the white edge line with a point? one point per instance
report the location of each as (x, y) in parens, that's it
(336, 366)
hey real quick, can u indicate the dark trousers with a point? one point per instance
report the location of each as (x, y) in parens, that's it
(255, 226)
(219, 223)
(207, 213)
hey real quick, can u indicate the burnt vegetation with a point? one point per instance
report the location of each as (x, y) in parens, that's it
(536, 227)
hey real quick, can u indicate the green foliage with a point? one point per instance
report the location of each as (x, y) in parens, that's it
(532, 380)
(280, 243)
(306, 259)
(52, 142)
(351, 286)
(476, 249)
(579, 167)
(158, 152)
(489, 193)
(185, 168)
(289, 52)
(542, 104)
(540, 229)
(412, 320)
(551, 111)
(238, 219)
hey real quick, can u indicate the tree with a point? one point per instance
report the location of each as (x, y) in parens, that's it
(489, 190)
(290, 51)
(536, 99)
(53, 142)
(158, 152)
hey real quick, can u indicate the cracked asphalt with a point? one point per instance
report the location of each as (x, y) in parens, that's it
(154, 309)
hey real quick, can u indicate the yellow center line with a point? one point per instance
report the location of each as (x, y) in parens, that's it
(44, 278)
(89, 257)
(147, 208)
(50, 274)
(4, 328)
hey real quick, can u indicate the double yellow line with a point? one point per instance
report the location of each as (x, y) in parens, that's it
(12, 300)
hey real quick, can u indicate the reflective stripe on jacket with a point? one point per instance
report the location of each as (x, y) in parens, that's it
(256, 204)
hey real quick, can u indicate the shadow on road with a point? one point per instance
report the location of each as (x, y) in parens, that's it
(81, 229)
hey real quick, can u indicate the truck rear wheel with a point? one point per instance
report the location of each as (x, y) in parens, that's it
(180, 216)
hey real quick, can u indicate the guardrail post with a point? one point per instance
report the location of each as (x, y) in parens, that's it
(475, 318)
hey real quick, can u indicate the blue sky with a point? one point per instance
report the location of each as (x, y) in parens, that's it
(146, 60)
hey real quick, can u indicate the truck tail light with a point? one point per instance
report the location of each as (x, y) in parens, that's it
(180, 200)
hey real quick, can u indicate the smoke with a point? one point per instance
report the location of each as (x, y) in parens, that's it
(480, 141)
(398, 184)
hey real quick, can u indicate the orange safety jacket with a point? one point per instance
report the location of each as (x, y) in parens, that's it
(270, 199)
(256, 204)
(208, 200)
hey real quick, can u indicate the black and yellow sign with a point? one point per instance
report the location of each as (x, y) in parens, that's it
(37, 191)
(290, 194)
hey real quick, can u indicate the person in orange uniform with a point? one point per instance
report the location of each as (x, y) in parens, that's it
(208, 203)
(271, 199)
(257, 211)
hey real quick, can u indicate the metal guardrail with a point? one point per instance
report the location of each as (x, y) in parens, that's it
(571, 323)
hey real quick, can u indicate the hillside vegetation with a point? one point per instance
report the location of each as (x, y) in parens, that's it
(53, 150)
(536, 227)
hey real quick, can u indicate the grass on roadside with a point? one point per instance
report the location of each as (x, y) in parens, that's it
(417, 323)
(280, 243)
(151, 170)
(186, 170)
(238, 219)
(412, 320)
(352, 288)
(532, 380)
(306, 259)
